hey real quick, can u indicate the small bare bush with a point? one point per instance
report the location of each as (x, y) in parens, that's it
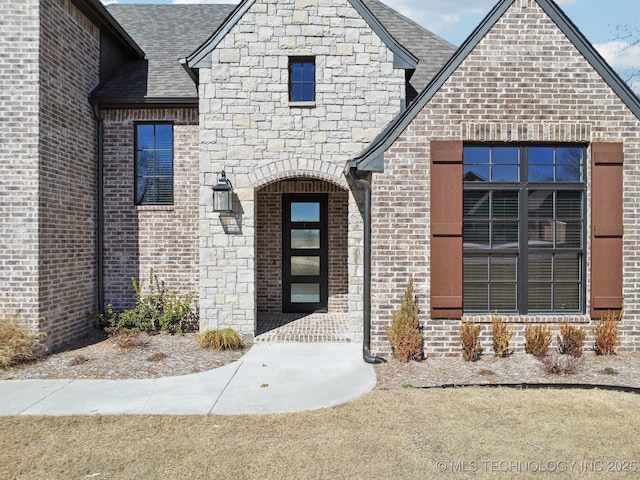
(18, 345)
(470, 339)
(607, 335)
(556, 364)
(501, 336)
(537, 340)
(225, 339)
(404, 333)
(571, 340)
(131, 339)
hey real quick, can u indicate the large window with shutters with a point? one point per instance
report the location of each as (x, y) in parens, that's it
(154, 164)
(524, 228)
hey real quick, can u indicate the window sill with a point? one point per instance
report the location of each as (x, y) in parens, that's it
(302, 104)
(154, 208)
(535, 318)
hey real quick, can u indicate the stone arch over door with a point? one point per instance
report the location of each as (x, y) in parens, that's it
(269, 239)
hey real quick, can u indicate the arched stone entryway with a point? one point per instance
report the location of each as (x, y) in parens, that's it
(302, 274)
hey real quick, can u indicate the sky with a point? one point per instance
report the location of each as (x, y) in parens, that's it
(454, 20)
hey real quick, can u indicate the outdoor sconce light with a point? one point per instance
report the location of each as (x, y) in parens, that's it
(222, 194)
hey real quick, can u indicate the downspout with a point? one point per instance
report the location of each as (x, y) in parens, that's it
(99, 208)
(366, 345)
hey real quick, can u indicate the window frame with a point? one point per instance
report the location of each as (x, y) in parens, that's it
(302, 60)
(523, 186)
(156, 200)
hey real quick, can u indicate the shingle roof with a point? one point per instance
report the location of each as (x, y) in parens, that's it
(169, 32)
(165, 33)
(432, 50)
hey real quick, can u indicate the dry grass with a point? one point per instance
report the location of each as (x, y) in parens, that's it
(399, 434)
(17, 345)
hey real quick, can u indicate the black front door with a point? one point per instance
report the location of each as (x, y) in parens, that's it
(305, 266)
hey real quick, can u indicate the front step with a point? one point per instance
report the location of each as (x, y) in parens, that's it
(311, 328)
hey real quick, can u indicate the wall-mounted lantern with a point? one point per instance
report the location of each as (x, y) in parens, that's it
(222, 194)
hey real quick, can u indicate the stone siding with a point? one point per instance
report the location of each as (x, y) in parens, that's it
(140, 237)
(249, 129)
(525, 82)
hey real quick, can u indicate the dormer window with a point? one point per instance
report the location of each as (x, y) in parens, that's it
(302, 79)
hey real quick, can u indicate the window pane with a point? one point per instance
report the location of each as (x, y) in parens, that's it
(476, 204)
(570, 161)
(541, 204)
(566, 296)
(541, 155)
(303, 239)
(475, 155)
(305, 266)
(476, 173)
(503, 296)
(567, 267)
(476, 268)
(475, 234)
(307, 92)
(502, 173)
(476, 297)
(540, 268)
(540, 173)
(505, 155)
(505, 235)
(305, 211)
(569, 234)
(568, 205)
(154, 164)
(539, 297)
(305, 293)
(505, 205)
(503, 268)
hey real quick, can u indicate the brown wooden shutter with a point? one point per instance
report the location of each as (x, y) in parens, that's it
(606, 227)
(446, 229)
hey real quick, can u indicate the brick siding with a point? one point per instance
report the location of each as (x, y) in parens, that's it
(525, 82)
(269, 243)
(138, 238)
(19, 100)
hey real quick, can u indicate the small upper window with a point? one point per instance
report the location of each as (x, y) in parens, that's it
(154, 164)
(302, 79)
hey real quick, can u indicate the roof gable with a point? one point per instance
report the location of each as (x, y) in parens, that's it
(372, 158)
(200, 58)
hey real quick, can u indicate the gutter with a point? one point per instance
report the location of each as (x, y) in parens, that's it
(366, 317)
(99, 209)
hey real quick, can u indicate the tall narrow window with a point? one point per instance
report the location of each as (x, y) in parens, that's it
(154, 164)
(302, 79)
(524, 228)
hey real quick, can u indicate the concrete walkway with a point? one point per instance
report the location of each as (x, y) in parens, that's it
(270, 378)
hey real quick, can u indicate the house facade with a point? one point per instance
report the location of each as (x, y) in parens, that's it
(360, 150)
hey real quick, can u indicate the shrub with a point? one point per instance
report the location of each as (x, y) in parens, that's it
(404, 333)
(157, 310)
(130, 339)
(17, 344)
(560, 364)
(537, 340)
(501, 336)
(571, 340)
(469, 337)
(607, 333)
(225, 339)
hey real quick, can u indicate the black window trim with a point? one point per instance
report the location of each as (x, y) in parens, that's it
(136, 124)
(522, 254)
(301, 59)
